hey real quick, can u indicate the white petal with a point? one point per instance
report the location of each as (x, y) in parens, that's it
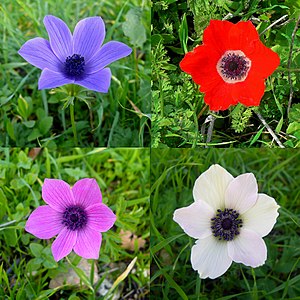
(248, 248)
(241, 193)
(262, 216)
(210, 257)
(195, 219)
(211, 185)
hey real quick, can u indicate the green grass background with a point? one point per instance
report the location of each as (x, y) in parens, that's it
(123, 176)
(35, 118)
(173, 173)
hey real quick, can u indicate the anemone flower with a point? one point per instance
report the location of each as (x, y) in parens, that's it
(231, 66)
(229, 218)
(79, 58)
(76, 214)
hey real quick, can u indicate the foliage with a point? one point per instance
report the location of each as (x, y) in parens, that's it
(37, 118)
(177, 28)
(27, 264)
(173, 173)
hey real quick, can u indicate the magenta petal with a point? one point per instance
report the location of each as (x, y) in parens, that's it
(60, 37)
(99, 81)
(50, 80)
(44, 222)
(86, 192)
(100, 217)
(88, 36)
(108, 53)
(64, 243)
(88, 243)
(39, 53)
(57, 194)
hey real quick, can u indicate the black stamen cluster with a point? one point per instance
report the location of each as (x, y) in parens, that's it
(74, 217)
(225, 225)
(234, 66)
(74, 65)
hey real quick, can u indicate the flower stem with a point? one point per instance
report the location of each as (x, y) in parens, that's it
(93, 296)
(73, 124)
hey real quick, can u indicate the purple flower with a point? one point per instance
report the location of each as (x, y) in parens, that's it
(79, 58)
(77, 215)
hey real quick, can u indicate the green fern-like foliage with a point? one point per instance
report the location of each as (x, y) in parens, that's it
(174, 120)
(240, 118)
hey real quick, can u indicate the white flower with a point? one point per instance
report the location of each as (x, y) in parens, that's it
(229, 219)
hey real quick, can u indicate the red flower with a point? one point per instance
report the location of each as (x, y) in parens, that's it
(231, 65)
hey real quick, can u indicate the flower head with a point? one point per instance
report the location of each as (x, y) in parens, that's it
(79, 58)
(77, 215)
(231, 65)
(229, 218)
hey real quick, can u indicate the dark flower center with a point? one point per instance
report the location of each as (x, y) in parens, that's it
(225, 225)
(74, 217)
(74, 65)
(233, 66)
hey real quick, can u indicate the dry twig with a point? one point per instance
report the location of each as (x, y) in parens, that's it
(289, 65)
(211, 120)
(269, 129)
(274, 23)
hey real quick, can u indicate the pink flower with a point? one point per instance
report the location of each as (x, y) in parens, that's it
(76, 214)
(229, 219)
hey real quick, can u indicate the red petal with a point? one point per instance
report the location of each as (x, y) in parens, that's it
(216, 35)
(220, 98)
(201, 64)
(242, 36)
(250, 91)
(264, 61)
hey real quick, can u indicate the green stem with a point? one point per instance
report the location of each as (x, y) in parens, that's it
(73, 124)
(93, 296)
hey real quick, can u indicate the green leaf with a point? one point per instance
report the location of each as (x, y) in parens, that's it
(34, 264)
(76, 173)
(279, 125)
(30, 178)
(49, 261)
(24, 161)
(20, 212)
(3, 204)
(74, 297)
(257, 135)
(45, 125)
(10, 236)
(10, 129)
(29, 124)
(36, 249)
(34, 135)
(294, 114)
(174, 285)
(164, 243)
(293, 127)
(23, 108)
(183, 33)
(17, 184)
(133, 27)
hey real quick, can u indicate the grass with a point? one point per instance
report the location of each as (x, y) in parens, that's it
(180, 116)
(26, 263)
(30, 117)
(173, 173)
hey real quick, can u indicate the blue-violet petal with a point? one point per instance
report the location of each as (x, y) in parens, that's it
(60, 37)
